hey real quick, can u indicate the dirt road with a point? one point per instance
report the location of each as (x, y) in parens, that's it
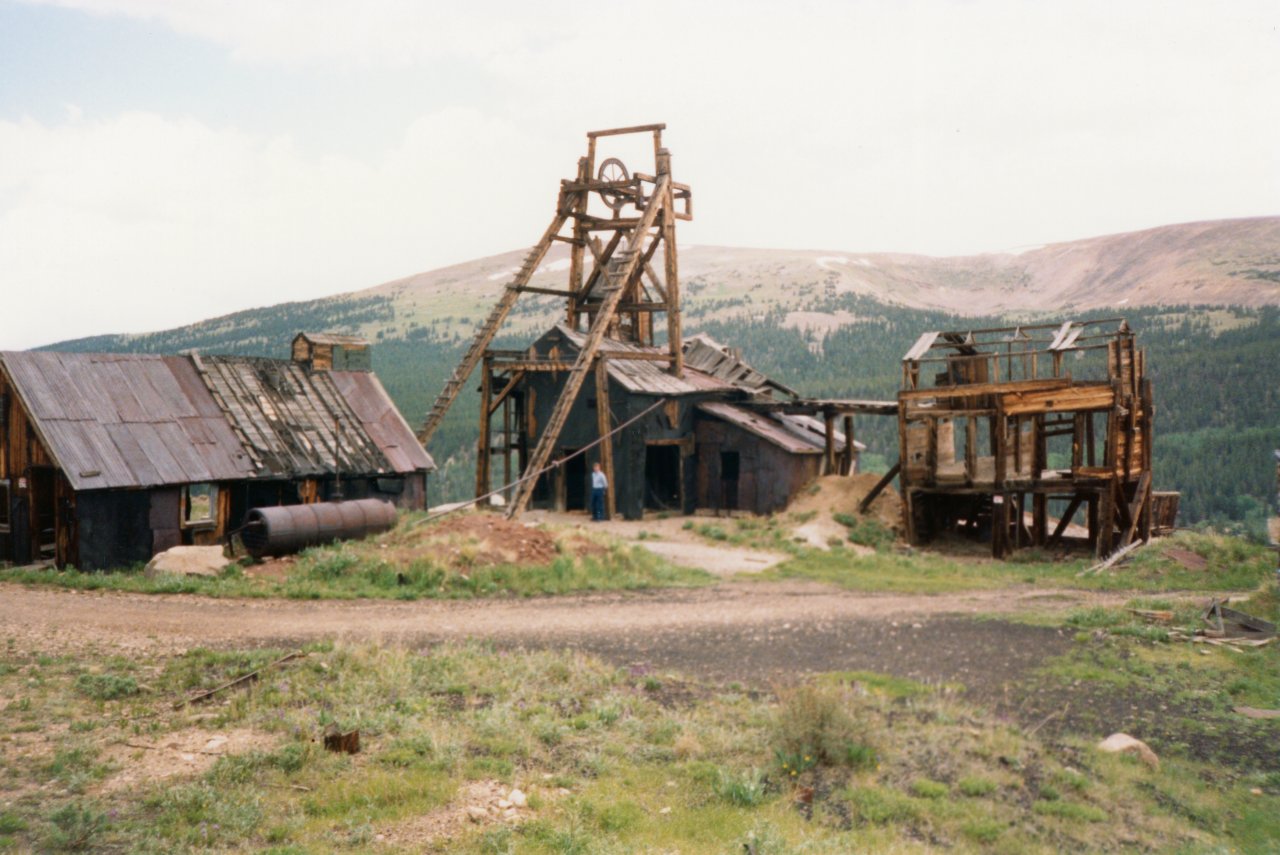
(733, 631)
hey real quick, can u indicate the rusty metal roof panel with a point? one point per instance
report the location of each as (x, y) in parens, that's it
(647, 377)
(763, 426)
(365, 394)
(125, 420)
(334, 338)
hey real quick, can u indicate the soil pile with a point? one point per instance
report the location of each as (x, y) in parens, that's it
(481, 540)
(841, 494)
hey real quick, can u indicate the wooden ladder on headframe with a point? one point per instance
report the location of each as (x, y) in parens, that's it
(622, 266)
(475, 351)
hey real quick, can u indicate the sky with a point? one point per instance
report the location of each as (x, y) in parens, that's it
(165, 161)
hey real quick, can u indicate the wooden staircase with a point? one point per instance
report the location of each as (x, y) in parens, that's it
(622, 266)
(475, 351)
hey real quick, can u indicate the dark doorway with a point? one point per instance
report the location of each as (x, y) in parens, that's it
(729, 463)
(662, 478)
(575, 482)
(44, 515)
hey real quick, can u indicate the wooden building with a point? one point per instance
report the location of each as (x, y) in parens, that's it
(1000, 428)
(710, 442)
(107, 459)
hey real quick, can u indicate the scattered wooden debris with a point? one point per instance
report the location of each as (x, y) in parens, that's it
(342, 743)
(1111, 560)
(1153, 615)
(238, 681)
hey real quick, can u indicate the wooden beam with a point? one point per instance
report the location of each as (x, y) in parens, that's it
(483, 479)
(501, 397)
(879, 487)
(1065, 520)
(633, 129)
(605, 425)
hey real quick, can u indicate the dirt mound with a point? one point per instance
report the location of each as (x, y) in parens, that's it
(840, 494)
(482, 540)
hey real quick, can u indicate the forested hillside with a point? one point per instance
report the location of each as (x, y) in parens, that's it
(1216, 374)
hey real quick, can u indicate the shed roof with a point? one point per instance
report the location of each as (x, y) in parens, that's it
(711, 357)
(644, 376)
(301, 422)
(796, 434)
(333, 338)
(142, 420)
(126, 420)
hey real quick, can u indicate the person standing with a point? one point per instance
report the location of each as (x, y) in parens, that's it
(599, 483)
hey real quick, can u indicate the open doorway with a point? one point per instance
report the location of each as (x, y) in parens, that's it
(575, 482)
(730, 463)
(44, 514)
(662, 481)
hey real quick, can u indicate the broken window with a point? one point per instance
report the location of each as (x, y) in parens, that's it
(4, 507)
(199, 502)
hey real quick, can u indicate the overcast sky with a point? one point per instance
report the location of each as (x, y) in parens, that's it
(164, 161)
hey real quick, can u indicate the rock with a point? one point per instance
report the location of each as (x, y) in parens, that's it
(215, 743)
(188, 561)
(503, 804)
(518, 798)
(1123, 743)
(476, 813)
(665, 810)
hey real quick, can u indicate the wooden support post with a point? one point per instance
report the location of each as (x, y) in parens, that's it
(578, 248)
(1106, 521)
(971, 449)
(1040, 519)
(829, 421)
(675, 340)
(604, 424)
(506, 444)
(482, 444)
(849, 453)
(1077, 441)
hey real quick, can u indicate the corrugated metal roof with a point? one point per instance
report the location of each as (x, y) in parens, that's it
(647, 377)
(299, 422)
(381, 420)
(126, 420)
(139, 420)
(796, 434)
(709, 356)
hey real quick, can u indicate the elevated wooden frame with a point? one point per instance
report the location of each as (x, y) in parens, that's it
(614, 288)
(1016, 384)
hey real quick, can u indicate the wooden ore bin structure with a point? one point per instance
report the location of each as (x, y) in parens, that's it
(287, 529)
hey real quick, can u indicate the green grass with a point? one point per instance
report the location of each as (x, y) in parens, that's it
(1233, 564)
(360, 570)
(623, 773)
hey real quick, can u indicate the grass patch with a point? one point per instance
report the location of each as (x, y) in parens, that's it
(396, 566)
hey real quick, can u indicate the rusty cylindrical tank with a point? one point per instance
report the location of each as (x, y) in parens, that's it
(291, 528)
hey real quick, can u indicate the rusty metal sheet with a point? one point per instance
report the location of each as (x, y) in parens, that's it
(388, 430)
(643, 376)
(765, 427)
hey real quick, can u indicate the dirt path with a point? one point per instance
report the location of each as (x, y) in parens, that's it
(668, 538)
(733, 631)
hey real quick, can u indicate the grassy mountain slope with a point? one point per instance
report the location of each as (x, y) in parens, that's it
(1203, 297)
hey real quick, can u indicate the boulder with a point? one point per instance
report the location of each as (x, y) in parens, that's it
(188, 561)
(1123, 743)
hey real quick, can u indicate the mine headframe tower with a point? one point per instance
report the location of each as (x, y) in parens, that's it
(613, 287)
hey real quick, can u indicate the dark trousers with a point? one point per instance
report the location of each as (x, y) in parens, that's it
(597, 503)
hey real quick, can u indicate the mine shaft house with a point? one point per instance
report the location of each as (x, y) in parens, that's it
(108, 459)
(711, 444)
